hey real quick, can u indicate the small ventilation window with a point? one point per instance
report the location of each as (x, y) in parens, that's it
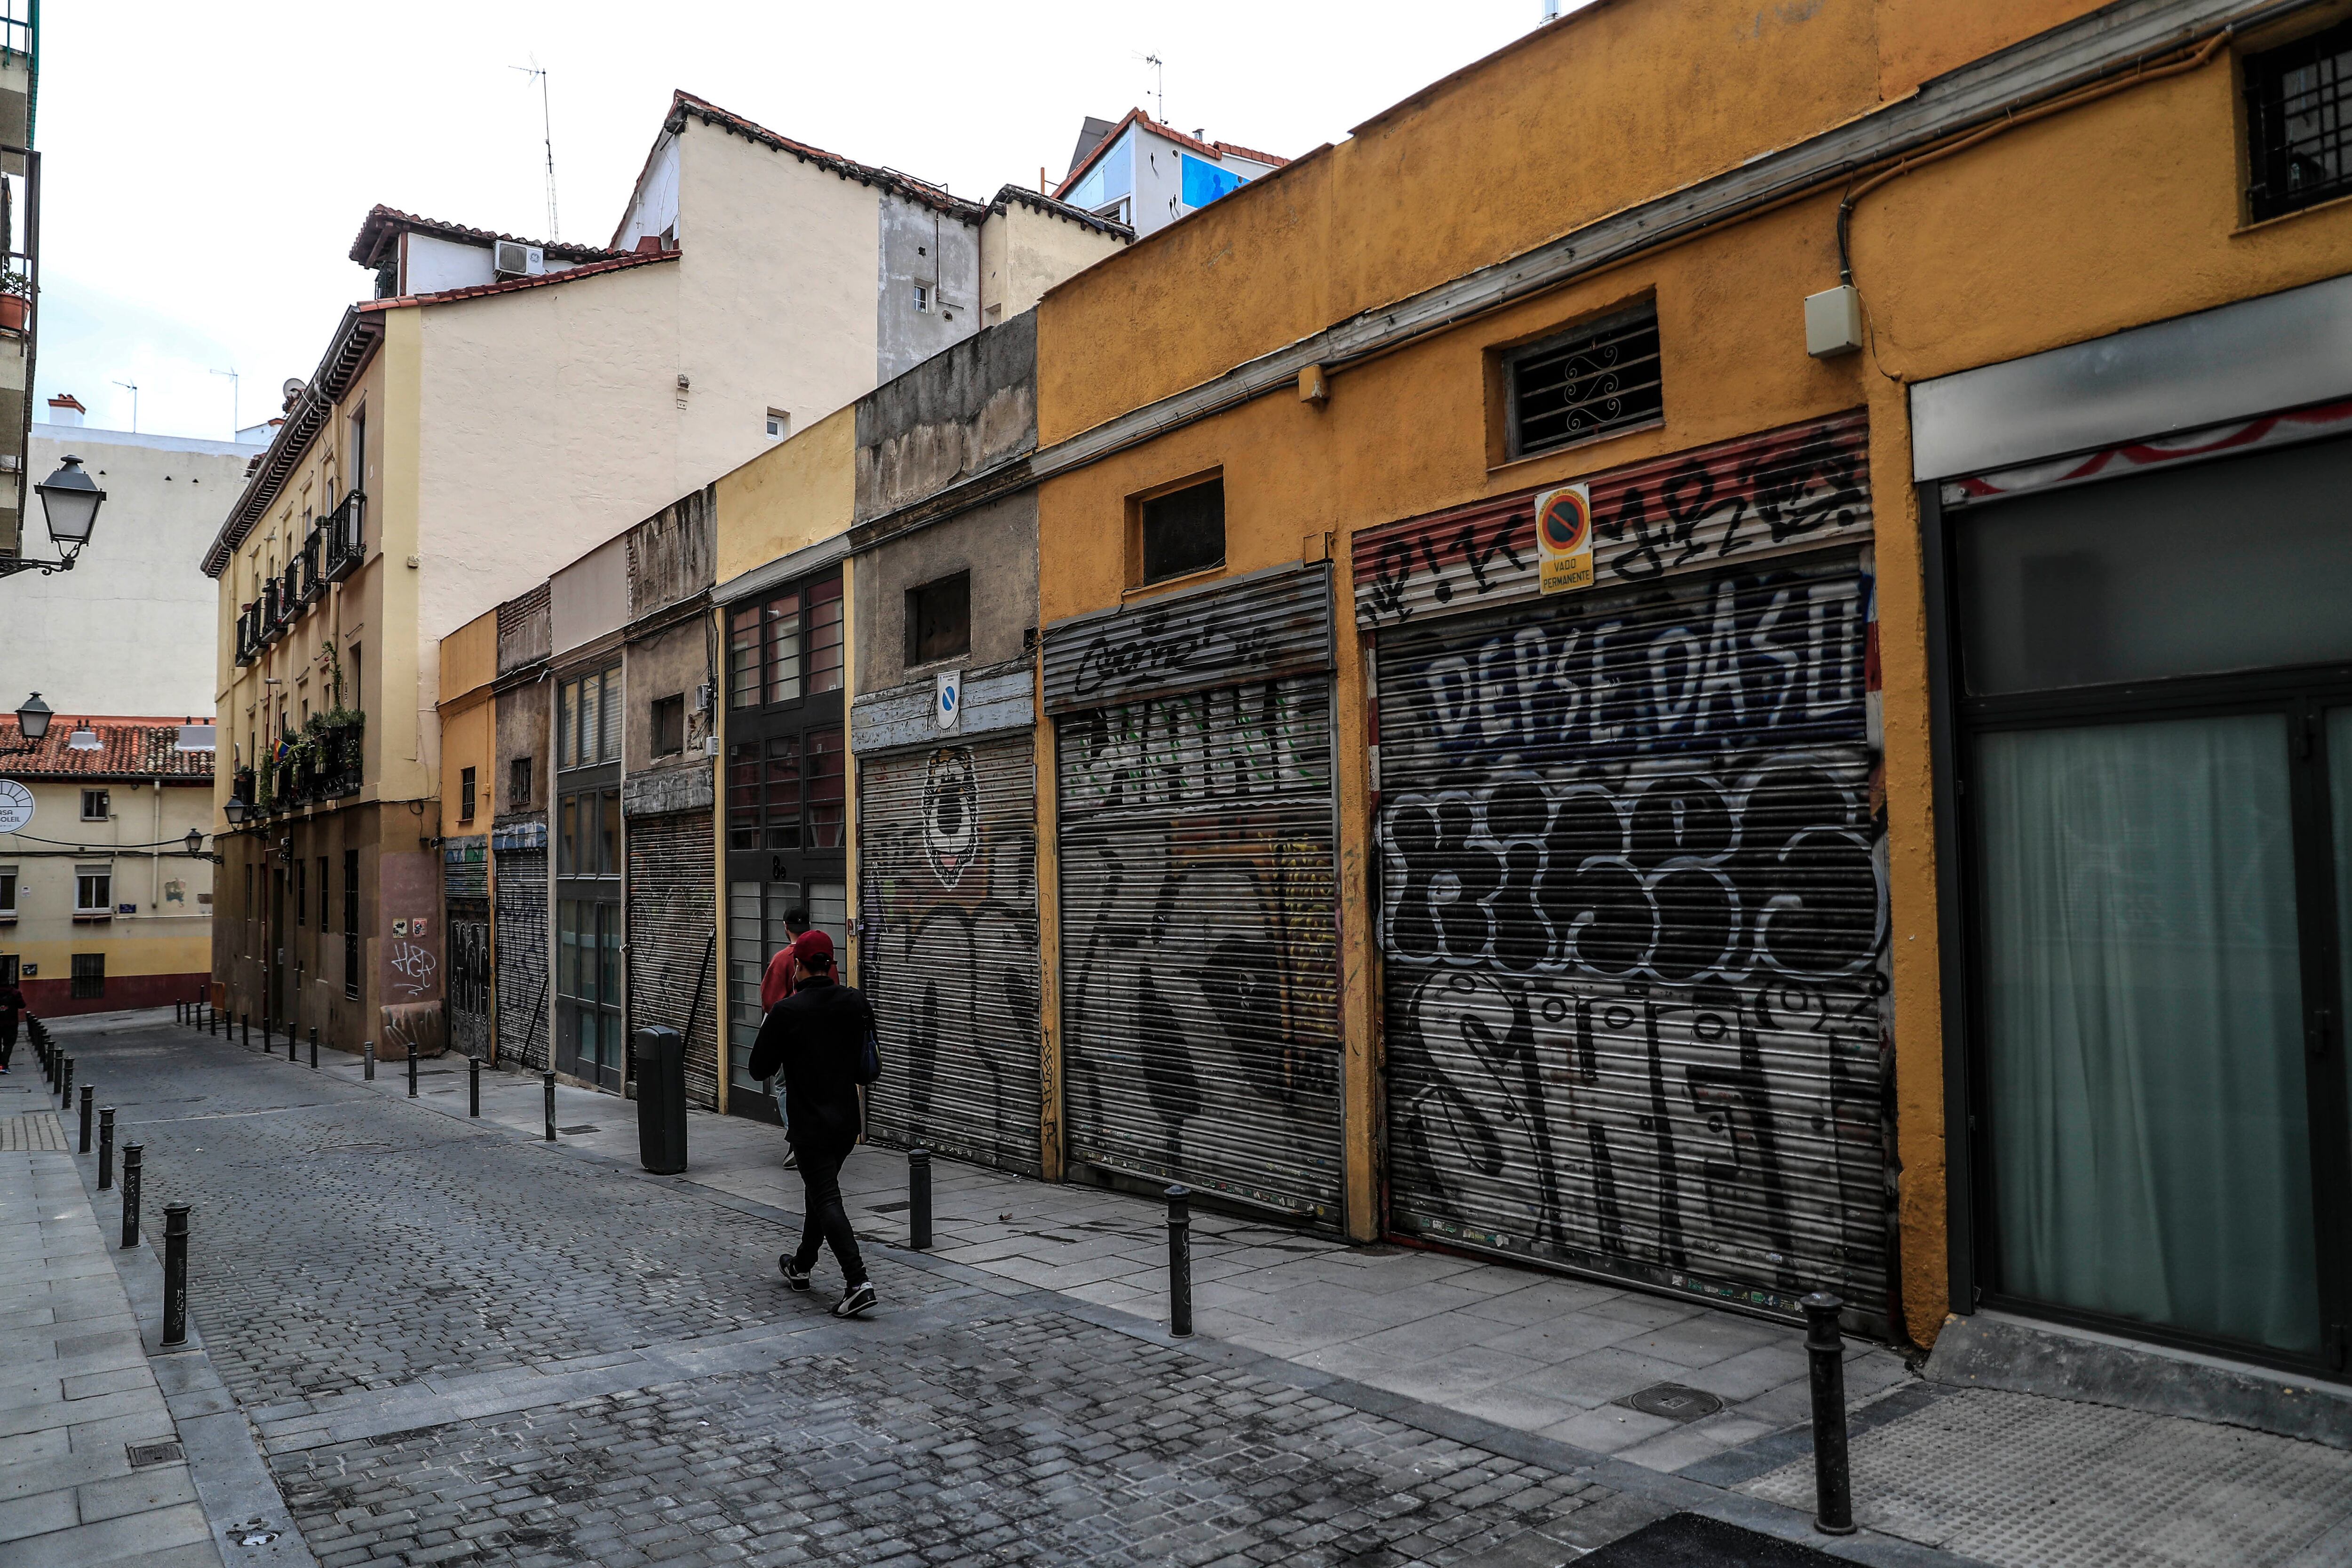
(922, 297)
(1183, 531)
(2299, 123)
(1600, 379)
(89, 977)
(780, 425)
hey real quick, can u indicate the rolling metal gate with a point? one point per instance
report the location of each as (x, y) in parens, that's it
(521, 992)
(465, 887)
(946, 868)
(1633, 887)
(1199, 982)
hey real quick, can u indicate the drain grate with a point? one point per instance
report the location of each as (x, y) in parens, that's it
(582, 1128)
(145, 1454)
(1673, 1401)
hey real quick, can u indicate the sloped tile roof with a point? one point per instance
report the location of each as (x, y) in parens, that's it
(383, 222)
(127, 749)
(1218, 150)
(616, 263)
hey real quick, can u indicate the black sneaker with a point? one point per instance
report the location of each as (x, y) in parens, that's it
(859, 1300)
(798, 1279)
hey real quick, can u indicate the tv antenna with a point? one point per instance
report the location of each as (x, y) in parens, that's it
(235, 410)
(1160, 87)
(134, 404)
(547, 130)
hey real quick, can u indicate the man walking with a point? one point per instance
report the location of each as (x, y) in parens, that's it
(12, 1002)
(776, 985)
(816, 1038)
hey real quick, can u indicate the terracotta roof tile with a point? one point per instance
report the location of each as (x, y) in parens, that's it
(1136, 117)
(382, 220)
(616, 263)
(128, 747)
(682, 102)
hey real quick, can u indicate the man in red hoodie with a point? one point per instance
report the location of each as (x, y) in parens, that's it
(774, 986)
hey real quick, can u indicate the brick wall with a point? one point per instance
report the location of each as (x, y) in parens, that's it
(670, 922)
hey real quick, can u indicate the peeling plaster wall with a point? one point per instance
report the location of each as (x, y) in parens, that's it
(957, 414)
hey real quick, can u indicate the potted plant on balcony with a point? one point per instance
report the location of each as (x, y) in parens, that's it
(15, 299)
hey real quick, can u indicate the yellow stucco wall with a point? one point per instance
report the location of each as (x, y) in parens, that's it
(795, 493)
(2117, 213)
(469, 722)
(169, 932)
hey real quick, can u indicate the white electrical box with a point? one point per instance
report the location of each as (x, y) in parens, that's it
(1834, 321)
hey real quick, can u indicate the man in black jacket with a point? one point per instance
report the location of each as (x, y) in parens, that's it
(816, 1038)
(12, 1002)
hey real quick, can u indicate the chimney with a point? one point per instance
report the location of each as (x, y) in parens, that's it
(65, 409)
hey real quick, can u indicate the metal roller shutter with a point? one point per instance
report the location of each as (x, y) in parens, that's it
(947, 867)
(1633, 921)
(1198, 982)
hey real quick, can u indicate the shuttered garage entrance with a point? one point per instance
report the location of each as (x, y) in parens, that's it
(1199, 983)
(1632, 887)
(947, 869)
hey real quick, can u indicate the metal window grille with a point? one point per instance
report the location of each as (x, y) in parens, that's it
(1603, 377)
(88, 975)
(2299, 121)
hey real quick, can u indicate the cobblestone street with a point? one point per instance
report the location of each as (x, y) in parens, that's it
(454, 1343)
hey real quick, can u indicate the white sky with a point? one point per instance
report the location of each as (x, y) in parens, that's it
(206, 167)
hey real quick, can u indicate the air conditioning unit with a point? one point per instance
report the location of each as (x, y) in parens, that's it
(512, 259)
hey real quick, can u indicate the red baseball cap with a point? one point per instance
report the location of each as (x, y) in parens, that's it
(813, 950)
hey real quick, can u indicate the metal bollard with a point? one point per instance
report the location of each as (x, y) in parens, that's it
(548, 1080)
(1833, 1486)
(211, 1019)
(248, 1031)
(412, 1069)
(65, 1088)
(918, 1199)
(178, 1012)
(368, 1052)
(106, 1148)
(49, 1067)
(1180, 1262)
(314, 1047)
(294, 1046)
(130, 1155)
(87, 1092)
(473, 1085)
(175, 1274)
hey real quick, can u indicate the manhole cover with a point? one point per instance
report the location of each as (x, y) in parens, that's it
(144, 1454)
(576, 1129)
(1673, 1401)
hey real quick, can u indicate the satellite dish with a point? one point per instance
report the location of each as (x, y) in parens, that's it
(292, 389)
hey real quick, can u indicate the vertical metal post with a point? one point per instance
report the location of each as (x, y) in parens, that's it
(131, 1157)
(49, 1066)
(106, 1148)
(175, 1274)
(248, 1031)
(473, 1085)
(178, 1012)
(367, 1053)
(88, 1092)
(548, 1080)
(65, 1088)
(918, 1199)
(1180, 1262)
(1833, 1486)
(211, 1019)
(314, 1047)
(412, 1069)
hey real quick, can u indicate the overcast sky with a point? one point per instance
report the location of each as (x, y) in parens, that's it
(206, 167)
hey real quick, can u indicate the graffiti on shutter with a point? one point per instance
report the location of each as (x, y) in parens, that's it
(1634, 924)
(522, 962)
(469, 986)
(947, 867)
(1783, 492)
(1256, 628)
(1198, 981)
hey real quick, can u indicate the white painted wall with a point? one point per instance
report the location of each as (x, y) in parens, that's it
(432, 264)
(130, 629)
(652, 206)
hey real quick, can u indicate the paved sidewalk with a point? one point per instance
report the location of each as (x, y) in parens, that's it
(78, 1402)
(2004, 1479)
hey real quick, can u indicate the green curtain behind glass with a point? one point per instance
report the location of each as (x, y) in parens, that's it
(2144, 1026)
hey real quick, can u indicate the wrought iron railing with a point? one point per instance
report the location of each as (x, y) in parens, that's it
(346, 537)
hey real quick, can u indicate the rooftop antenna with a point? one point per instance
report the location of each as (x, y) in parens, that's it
(547, 130)
(1160, 87)
(235, 410)
(134, 404)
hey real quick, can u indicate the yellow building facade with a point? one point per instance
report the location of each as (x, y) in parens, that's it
(1596, 889)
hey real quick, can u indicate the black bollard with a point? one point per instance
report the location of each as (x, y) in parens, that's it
(248, 1031)
(918, 1199)
(473, 1085)
(106, 1148)
(412, 1069)
(87, 1092)
(130, 1154)
(547, 1081)
(314, 1047)
(1180, 1262)
(294, 1046)
(211, 1019)
(49, 1068)
(178, 1012)
(1833, 1486)
(368, 1052)
(65, 1089)
(175, 1274)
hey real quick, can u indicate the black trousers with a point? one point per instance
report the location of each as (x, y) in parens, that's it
(7, 1041)
(827, 1222)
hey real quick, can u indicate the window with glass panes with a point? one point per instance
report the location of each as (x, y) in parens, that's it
(589, 1042)
(588, 720)
(785, 647)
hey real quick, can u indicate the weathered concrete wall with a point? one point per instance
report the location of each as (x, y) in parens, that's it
(953, 417)
(920, 244)
(1024, 251)
(671, 663)
(997, 544)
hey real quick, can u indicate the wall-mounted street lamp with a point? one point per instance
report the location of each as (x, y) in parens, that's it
(33, 723)
(70, 500)
(195, 842)
(236, 811)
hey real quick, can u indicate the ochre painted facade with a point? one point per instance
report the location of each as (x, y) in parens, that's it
(2122, 211)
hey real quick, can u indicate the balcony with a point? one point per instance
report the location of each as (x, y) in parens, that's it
(248, 635)
(319, 763)
(346, 537)
(266, 616)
